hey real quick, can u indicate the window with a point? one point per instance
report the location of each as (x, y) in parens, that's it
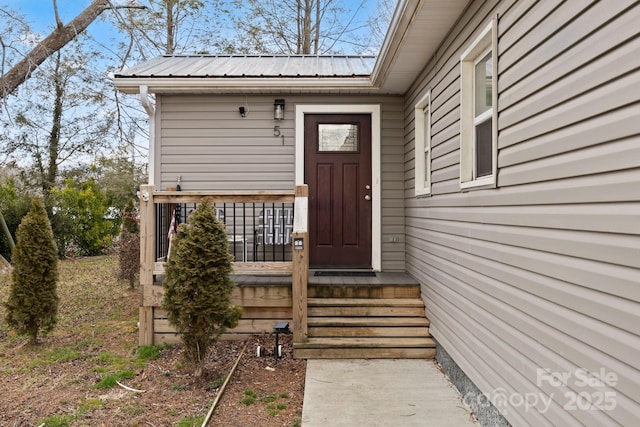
(338, 137)
(423, 146)
(478, 109)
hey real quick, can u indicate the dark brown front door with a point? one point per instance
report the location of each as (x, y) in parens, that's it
(338, 173)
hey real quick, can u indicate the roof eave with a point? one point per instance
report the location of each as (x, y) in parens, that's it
(162, 85)
(417, 29)
(393, 39)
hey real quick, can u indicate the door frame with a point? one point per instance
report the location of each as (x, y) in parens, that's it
(376, 192)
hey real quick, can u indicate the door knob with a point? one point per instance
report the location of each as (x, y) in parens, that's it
(367, 187)
(367, 197)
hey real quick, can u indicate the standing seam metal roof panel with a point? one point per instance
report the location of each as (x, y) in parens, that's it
(252, 66)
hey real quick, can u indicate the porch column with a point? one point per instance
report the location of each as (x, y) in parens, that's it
(147, 260)
(300, 267)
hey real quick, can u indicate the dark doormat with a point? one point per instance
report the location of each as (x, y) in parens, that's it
(345, 273)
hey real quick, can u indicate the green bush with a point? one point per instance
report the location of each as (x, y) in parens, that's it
(82, 212)
(33, 301)
(197, 284)
(14, 205)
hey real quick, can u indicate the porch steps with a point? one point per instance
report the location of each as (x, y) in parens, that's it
(387, 324)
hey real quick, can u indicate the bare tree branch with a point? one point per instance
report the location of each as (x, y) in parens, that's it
(59, 23)
(51, 44)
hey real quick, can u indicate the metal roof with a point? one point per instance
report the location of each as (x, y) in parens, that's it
(262, 66)
(417, 29)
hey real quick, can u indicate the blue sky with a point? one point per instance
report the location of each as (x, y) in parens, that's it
(39, 14)
(41, 19)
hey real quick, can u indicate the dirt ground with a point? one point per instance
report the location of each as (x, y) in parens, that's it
(63, 380)
(64, 394)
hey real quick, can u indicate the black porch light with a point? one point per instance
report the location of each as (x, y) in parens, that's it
(278, 109)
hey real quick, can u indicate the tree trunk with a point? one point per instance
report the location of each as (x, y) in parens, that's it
(6, 232)
(170, 28)
(51, 44)
(299, 27)
(54, 137)
(306, 28)
(5, 266)
(316, 40)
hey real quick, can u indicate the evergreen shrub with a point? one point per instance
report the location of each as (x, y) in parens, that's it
(197, 284)
(32, 305)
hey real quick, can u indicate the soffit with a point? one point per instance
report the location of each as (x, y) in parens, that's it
(417, 30)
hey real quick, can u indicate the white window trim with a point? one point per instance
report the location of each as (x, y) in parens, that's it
(486, 41)
(376, 168)
(422, 144)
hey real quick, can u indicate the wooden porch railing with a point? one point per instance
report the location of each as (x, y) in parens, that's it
(151, 265)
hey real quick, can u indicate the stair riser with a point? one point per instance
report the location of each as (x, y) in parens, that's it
(369, 321)
(365, 353)
(366, 302)
(365, 311)
(363, 291)
(367, 342)
(368, 332)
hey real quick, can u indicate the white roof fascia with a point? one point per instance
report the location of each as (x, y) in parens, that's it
(177, 84)
(393, 40)
(417, 29)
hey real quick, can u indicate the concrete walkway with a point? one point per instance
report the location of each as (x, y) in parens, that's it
(379, 392)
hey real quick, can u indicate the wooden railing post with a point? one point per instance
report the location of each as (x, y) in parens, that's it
(300, 267)
(147, 259)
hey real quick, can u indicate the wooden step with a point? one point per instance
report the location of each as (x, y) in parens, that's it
(364, 353)
(347, 311)
(363, 291)
(368, 348)
(368, 331)
(358, 342)
(365, 302)
(368, 321)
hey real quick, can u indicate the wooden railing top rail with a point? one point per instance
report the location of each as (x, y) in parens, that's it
(223, 197)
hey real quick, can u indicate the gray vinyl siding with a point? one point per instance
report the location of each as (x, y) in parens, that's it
(204, 140)
(542, 272)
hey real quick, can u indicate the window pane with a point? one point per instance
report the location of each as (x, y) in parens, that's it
(483, 149)
(426, 129)
(483, 93)
(338, 137)
(427, 136)
(426, 169)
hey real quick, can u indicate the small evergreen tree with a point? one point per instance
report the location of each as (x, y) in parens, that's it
(33, 300)
(129, 246)
(197, 284)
